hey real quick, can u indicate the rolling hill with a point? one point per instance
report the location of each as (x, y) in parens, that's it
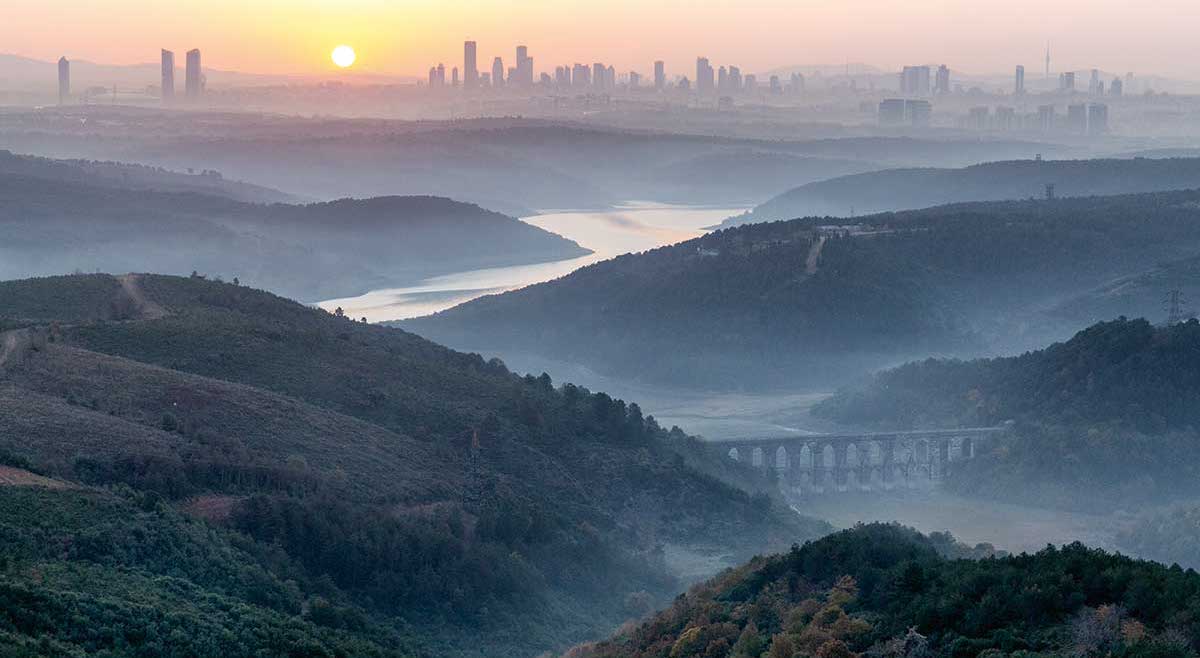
(66, 217)
(905, 189)
(880, 590)
(807, 304)
(410, 498)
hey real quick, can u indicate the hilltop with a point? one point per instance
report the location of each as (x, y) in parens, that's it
(426, 497)
(66, 217)
(904, 189)
(817, 302)
(883, 590)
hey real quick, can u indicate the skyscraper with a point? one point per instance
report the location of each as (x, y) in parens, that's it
(168, 76)
(454, 77)
(193, 75)
(1066, 81)
(470, 69)
(1097, 119)
(1019, 83)
(524, 68)
(942, 86)
(1117, 87)
(64, 80)
(914, 80)
(660, 75)
(704, 75)
(497, 72)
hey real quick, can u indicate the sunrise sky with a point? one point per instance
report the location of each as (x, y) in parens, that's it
(406, 36)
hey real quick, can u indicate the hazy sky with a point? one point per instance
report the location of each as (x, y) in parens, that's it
(406, 36)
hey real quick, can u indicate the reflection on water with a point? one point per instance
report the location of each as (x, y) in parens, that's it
(631, 228)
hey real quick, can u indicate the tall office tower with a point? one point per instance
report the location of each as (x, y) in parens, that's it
(750, 82)
(914, 80)
(736, 82)
(776, 87)
(64, 80)
(891, 111)
(722, 79)
(797, 84)
(441, 74)
(635, 79)
(704, 76)
(1077, 118)
(1066, 81)
(1097, 119)
(193, 80)
(660, 75)
(168, 76)
(432, 77)
(1094, 83)
(454, 77)
(1019, 83)
(581, 76)
(942, 86)
(599, 73)
(1117, 87)
(497, 72)
(524, 67)
(610, 77)
(1046, 118)
(470, 69)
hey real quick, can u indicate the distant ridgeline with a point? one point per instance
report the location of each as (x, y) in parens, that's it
(816, 301)
(199, 468)
(887, 591)
(64, 216)
(1111, 414)
(904, 189)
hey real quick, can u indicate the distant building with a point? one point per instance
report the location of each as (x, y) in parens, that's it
(977, 118)
(64, 80)
(918, 113)
(942, 86)
(635, 80)
(1066, 81)
(193, 75)
(914, 81)
(1006, 118)
(1046, 118)
(497, 72)
(1019, 82)
(891, 111)
(704, 76)
(660, 75)
(1095, 87)
(470, 68)
(1117, 88)
(776, 86)
(454, 77)
(1077, 118)
(1097, 119)
(524, 68)
(168, 76)
(581, 76)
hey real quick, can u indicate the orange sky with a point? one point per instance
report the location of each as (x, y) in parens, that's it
(406, 36)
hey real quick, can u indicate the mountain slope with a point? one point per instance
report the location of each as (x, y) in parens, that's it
(58, 219)
(902, 189)
(888, 591)
(800, 303)
(465, 508)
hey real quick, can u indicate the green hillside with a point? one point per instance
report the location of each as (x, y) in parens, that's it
(881, 590)
(804, 302)
(348, 449)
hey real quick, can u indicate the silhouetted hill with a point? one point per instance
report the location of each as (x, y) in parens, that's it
(902, 189)
(59, 219)
(880, 590)
(427, 497)
(802, 302)
(1102, 416)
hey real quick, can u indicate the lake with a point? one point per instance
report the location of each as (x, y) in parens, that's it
(632, 227)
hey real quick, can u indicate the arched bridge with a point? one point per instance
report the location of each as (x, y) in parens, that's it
(865, 460)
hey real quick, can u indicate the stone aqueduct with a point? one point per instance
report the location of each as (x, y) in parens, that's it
(875, 460)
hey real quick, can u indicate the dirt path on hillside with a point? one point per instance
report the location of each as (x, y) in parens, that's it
(147, 310)
(18, 477)
(11, 342)
(814, 255)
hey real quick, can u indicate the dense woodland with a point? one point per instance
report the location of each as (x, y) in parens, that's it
(1102, 417)
(883, 590)
(903, 189)
(69, 216)
(762, 306)
(430, 497)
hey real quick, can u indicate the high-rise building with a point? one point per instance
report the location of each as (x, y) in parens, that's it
(168, 76)
(497, 72)
(1019, 83)
(1006, 118)
(797, 84)
(891, 111)
(660, 75)
(524, 67)
(942, 86)
(470, 68)
(193, 75)
(454, 77)
(914, 81)
(635, 79)
(64, 80)
(1117, 87)
(735, 79)
(581, 76)
(1097, 119)
(1066, 81)
(776, 87)
(977, 117)
(1077, 118)
(704, 76)
(1095, 87)
(918, 112)
(1046, 118)
(599, 75)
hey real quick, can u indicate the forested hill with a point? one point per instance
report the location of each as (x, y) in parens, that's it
(1100, 420)
(124, 176)
(67, 218)
(901, 189)
(234, 473)
(886, 591)
(813, 300)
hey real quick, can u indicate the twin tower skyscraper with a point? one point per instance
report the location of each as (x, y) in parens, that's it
(193, 76)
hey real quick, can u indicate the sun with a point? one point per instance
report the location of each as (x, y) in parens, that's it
(343, 56)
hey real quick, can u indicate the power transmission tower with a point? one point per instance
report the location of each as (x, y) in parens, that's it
(1174, 303)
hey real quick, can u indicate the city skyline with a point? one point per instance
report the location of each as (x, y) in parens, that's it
(281, 38)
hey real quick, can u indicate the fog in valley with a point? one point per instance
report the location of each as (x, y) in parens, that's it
(691, 359)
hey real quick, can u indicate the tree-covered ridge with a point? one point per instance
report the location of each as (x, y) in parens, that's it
(494, 513)
(789, 303)
(883, 590)
(903, 189)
